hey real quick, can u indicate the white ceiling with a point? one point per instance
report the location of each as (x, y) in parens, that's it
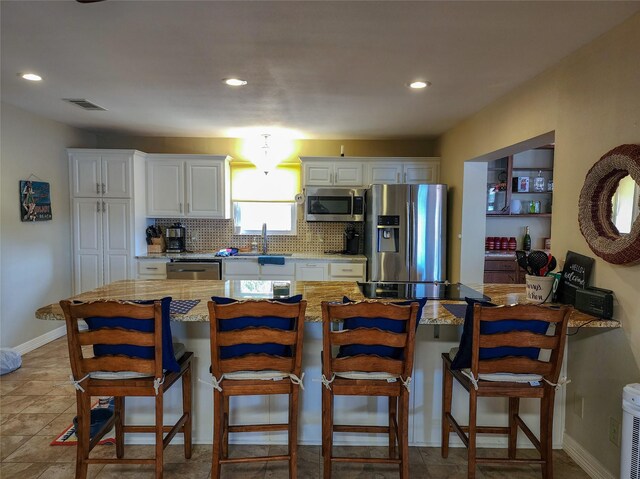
(323, 69)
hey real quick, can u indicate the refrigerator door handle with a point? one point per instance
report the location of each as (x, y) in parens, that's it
(409, 225)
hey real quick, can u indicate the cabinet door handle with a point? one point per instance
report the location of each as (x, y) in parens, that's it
(345, 269)
(98, 188)
(405, 176)
(330, 178)
(180, 207)
(398, 177)
(104, 208)
(98, 206)
(188, 207)
(104, 189)
(149, 267)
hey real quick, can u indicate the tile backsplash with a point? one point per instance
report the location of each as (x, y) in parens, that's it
(212, 235)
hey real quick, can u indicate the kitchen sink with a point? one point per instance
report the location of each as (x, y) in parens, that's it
(261, 254)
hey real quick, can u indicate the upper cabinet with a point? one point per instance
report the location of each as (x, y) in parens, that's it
(195, 186)
(402, 171)
(331, 172)
(363, 171)
(100, 173)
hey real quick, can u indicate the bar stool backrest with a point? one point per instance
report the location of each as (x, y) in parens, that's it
(258, 311)
(400, 366)
(120, 313)
(552, 340)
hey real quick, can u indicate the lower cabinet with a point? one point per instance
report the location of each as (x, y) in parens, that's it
(251, 269)
(346, 271)
(311, 271)
(293, 269)
(502, 270)
(152, 269)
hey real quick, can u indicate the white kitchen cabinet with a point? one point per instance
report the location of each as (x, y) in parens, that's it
(101, 173)
(102, 241)
(152, 268)
(165, 188)
(346, 271)
(360, 171)
(400, 171)
(195, 186)
(311, 271)
(249, 268)
(108, 217)
(331, 172)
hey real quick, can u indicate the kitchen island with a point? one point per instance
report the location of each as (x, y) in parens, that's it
(192, 329)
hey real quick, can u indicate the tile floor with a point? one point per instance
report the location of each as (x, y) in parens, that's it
(34, 408)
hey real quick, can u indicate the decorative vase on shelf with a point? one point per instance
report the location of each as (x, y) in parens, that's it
(516, 207)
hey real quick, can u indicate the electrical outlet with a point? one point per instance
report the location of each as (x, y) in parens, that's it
(614, 431)
(578, 405)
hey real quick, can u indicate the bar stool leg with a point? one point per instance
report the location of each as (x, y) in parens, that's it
(225, 428)
(119, 412)
(84, 424)
(159, 435)
(293, 431)
(471, 452)
(218, 409)
(546, 431)
(393, 421)
(447, 391)
(186, 409)
(403, 439)
(514, 406)
(327, 431)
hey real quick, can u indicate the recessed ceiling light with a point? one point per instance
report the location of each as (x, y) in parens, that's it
(419, 84)
(30, 76)
(235, 82)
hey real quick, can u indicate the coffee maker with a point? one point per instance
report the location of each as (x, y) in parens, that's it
(175, 237)
(351, 240)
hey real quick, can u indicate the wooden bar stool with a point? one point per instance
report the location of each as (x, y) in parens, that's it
(371, 361)
(132, 356)
(256, 349)
(505, 347)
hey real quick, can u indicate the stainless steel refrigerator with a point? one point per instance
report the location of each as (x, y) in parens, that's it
(406, 232)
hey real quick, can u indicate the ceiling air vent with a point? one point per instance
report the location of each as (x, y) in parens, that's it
(84, 104)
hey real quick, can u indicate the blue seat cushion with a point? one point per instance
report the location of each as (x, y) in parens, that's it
(169, 362)
(463, 357)
(385, 324)
(242, 322)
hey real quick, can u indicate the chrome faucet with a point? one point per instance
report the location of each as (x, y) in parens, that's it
(264, 238)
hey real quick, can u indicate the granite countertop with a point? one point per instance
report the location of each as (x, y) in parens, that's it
(210, 255)
(314, 292)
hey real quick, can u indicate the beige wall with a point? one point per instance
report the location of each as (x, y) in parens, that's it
(35, 257)
(233, 146)
(592, 102)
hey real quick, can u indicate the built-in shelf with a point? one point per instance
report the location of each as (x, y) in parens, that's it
(533, 168)
(532, 215)
(531, 192)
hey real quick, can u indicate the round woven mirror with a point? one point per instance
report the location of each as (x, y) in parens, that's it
(596, 214)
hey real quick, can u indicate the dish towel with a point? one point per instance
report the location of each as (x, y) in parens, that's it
(271, 259)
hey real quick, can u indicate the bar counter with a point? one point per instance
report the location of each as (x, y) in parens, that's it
(432, 339)
(314, 292)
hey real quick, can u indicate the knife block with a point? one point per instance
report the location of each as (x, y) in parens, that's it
(157, 245)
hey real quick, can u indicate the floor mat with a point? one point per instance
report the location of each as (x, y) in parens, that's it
(68, 436)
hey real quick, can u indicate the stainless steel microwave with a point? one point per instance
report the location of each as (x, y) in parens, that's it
(334, 204)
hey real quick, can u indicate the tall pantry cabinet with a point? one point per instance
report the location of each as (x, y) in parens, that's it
(107, 209)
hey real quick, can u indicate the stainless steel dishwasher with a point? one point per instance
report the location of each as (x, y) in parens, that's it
(194, 269)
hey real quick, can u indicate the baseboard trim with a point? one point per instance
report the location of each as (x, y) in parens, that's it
(585, 459)
(45, 338)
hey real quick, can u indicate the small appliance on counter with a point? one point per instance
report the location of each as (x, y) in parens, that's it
(175, 236)
(351, 240)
